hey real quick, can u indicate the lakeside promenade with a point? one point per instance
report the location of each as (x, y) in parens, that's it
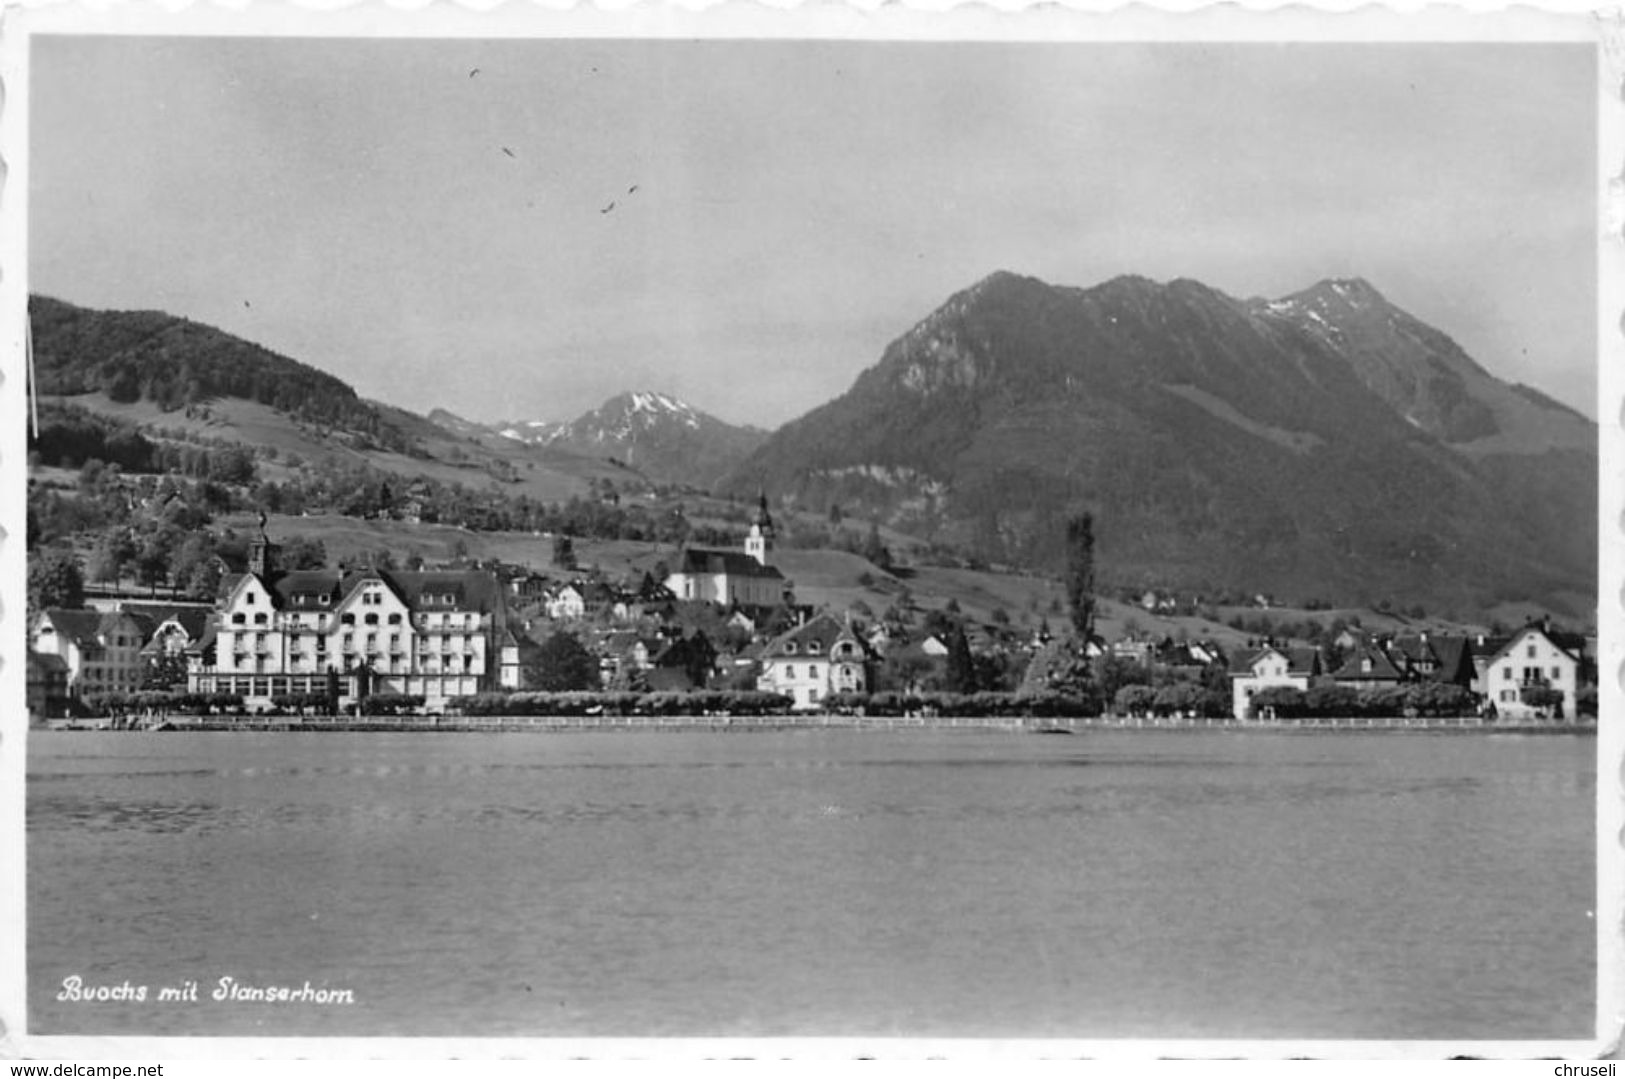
(721, 723)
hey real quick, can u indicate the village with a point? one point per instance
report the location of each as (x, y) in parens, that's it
(508, 639)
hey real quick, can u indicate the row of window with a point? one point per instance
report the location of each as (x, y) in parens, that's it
(1531, 674)
(467, 621)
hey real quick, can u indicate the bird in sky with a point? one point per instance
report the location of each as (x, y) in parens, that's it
(473, 71)
(608, 208)
(507, 151)
(632, 189)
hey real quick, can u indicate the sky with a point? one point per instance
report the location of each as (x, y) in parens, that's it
(521, 229)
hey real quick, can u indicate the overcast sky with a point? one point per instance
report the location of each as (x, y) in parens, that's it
(428, 221)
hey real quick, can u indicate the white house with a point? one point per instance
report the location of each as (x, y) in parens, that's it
(1534, 658)
(101, 649)
(1269, 668)
(815, 661)
(568, 603)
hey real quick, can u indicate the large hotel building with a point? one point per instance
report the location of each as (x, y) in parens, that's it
(438, 635)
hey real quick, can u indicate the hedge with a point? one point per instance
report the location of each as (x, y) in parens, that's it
(703, 702)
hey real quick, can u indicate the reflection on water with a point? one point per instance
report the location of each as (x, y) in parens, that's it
(1118, 884)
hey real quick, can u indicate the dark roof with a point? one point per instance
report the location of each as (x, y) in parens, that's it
(1487, 646)
(47, 661)
(1354, 668)
(305, 587)
(733, 563)
(823, 631)
(1299, 661)
(83, 627)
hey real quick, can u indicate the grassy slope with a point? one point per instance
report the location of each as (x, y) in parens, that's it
(825, 578)
(548, 476)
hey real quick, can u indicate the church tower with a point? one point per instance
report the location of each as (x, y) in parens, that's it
(759, 541)
(262, 553)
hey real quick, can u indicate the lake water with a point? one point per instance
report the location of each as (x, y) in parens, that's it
(1132, 884)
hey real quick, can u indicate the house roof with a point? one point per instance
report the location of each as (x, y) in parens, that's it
(823, 632)
(1381, 667)
(47, 661)
(1572, 644)
(1301, 662)
(732, 563)
(84, 628)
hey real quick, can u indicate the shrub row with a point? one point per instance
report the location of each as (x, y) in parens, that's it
(1418, 699)
(704, 702)
(158, 700)
(988, 703)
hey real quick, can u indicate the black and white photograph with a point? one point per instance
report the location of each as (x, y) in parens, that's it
(924, 541)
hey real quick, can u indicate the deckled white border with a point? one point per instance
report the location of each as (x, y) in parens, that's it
(1002, 20)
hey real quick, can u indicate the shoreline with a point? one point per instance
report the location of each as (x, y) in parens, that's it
(748, 724)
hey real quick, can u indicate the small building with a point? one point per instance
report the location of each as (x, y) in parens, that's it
(1535, 658)
(1268, 668)
(47, 686)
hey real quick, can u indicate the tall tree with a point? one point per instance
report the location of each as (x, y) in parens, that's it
(563, 663)
(961, 673)
(55, 580)
(1080, 574)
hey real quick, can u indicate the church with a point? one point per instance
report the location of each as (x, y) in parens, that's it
(745, 578)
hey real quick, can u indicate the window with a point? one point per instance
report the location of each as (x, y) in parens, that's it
(812, 695)
(371, 620)
(1531, 651)
(813, 647)
(789, 648)
(249, 599)
(790, 671)
(238, 619)
(1557, 672)
(259, 620)
(394, 619)
(324, 599)
(347, 619)
(1506, 673)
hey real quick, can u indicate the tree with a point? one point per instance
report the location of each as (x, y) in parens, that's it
(1547, 700)
(564, 552)
(874, 550)
(113, 552)
(1080, 574)
(562, 663)
(961, 673)
(55, 580)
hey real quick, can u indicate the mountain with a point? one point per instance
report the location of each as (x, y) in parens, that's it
(1323, 445)
(173, 362)
(658, 435)
(182, 379)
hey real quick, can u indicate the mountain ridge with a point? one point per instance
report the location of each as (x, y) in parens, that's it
(1195, 424)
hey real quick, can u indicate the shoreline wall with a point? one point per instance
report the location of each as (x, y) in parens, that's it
(723, 724)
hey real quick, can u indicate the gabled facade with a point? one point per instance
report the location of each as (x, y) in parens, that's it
(1534, 658)
(814, 661)
(101, 649)
(1367, 667)
(362, 632)
(1266, 669)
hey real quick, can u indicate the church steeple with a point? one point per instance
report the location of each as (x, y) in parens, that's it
(262, 553)
(759, 541)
